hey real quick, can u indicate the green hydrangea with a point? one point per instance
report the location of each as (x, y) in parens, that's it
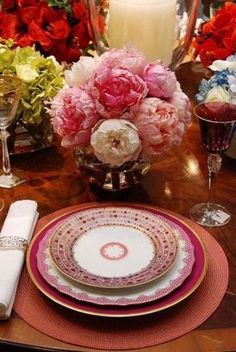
(42, 79)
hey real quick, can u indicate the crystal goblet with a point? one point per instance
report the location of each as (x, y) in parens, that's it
(10, 90)
(162, 29)
(216, 121)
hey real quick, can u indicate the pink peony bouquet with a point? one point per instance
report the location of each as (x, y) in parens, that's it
(122, 106)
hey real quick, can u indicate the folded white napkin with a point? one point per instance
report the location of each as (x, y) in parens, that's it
(20, 222)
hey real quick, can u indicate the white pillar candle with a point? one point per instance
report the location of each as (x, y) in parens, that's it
(147, 24)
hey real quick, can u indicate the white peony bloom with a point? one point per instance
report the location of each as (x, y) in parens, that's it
(220, 65)
(115, 141)
(218, 93)
(81, 71)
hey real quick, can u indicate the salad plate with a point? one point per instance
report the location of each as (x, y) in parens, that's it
(113, 247)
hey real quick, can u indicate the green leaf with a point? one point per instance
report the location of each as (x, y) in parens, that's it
(61, 4)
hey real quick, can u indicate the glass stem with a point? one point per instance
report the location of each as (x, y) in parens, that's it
(5, 155)
(214, 162)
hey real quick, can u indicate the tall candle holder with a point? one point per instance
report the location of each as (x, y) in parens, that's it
(162, 29)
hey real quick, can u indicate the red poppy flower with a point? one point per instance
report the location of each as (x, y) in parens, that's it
(69, 50)
(48, 26)
(27, 3)
(9, 5)
(12, 27)
(79, 11)
(217, 37)
(80, 35)
(53, 30)
(64, 50)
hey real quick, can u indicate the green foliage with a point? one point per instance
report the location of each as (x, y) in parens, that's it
(61, 4)
(42, 78)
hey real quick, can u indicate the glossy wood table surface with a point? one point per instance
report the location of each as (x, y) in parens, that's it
(176, 182)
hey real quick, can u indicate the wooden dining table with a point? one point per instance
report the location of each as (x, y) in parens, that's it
(175, 182)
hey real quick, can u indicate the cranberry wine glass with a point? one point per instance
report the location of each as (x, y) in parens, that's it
(216, 121)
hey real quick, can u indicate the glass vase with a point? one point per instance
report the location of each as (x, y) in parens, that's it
(28, 137)
(110, 178)
(162, 29)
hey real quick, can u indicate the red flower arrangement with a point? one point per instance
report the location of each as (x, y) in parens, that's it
(55, 27)
(216, 38)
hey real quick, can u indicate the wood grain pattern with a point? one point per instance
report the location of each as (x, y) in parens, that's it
(175, 182)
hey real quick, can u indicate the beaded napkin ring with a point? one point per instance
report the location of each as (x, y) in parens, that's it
(13, 242)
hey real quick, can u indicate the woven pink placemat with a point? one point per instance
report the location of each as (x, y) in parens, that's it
(126, 333)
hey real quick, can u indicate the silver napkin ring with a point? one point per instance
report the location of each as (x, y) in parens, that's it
(13, 242)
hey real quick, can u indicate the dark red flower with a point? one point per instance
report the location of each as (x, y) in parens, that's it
(49, 25)
(80, 35)
(64, 50)
(69, 50)
(9, 5)
(62, 32)
(79, 11)
(27, 14)
(217, 37)
(27, 3)
(12, 27)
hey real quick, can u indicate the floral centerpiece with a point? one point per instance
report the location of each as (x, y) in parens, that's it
(222, 84)
(221, 87)
(122, 108)
(215, 45)
(55, 27)
(42, 79)
(216, 38)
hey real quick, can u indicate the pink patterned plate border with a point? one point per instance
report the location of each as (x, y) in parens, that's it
(134, 295)
(130, 247)
(183, 291)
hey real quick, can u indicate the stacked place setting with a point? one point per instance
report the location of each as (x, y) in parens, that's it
(117, 260)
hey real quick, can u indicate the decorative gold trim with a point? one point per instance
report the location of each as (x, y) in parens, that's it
(121, 315)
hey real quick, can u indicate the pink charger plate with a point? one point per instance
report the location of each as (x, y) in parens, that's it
(188, 286)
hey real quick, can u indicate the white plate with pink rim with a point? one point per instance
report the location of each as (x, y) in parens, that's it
(113, 247)
(145, 293)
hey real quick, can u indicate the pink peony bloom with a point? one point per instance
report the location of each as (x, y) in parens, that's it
(158, 126)
(128, 57)
(122, 106)
(115, 90)
(73, 116)
(81, 71)
(161, 82)
(183, 105)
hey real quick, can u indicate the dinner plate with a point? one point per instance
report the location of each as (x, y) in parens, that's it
(113, 247)
(122, 296)
(179, 294)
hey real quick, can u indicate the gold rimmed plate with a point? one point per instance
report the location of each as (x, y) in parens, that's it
(113, 247)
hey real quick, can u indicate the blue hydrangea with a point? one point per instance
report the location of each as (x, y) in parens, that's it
(225, 78)
(204, 88)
